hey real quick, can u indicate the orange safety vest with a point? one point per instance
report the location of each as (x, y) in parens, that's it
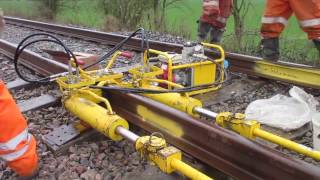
(278, 12)
(17, 146)
(216, 12)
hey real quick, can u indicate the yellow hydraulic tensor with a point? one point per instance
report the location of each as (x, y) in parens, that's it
(83, 99)
(251, 129)
(167, 158)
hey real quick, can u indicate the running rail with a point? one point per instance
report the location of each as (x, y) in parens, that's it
(33, 60)
(218, 147)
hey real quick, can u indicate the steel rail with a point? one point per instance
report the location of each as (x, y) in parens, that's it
(33, 60)
(218, 147)
(287, 72)
(282, 71)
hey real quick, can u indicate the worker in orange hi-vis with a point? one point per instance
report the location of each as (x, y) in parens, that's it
(276, 17)
(215, 14)
(17, 145)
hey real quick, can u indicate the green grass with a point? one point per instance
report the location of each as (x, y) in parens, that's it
(22, 8)
(185, 14)
(82, 12)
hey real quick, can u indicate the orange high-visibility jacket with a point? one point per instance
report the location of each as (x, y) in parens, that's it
(278, 12)
(216, 12)
(17, 146)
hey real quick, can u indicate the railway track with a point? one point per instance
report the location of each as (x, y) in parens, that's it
(218, 147)
(287, 72)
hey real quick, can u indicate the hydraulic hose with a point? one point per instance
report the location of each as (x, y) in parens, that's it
(119, 45)
(21, 46)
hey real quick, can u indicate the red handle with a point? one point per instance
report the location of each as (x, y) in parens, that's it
(126, 54)
(80, 62)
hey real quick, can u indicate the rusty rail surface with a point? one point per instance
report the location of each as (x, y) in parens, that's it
(33, 60)
(287, 72)
(218, 147)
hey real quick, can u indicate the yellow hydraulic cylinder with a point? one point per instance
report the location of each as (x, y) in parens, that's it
(178, 101)
(96, 116)
(287, 143)
(187, 170)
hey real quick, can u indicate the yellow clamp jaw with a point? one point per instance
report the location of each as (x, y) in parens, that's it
(156, 149)
(238, 123)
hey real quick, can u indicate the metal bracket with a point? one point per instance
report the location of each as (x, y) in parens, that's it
(61, 138)
(62, 134)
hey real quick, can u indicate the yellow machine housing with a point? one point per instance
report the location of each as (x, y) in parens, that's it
(189, 69)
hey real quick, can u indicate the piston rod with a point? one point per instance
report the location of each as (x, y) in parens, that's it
(129, 135)
(205, 112)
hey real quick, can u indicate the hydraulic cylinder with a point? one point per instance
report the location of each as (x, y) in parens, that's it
(96, 116)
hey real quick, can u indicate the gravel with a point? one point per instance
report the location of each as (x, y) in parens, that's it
(238, 104)
(7, 72)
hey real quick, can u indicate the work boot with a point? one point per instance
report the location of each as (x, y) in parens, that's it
(203, 29)
(30, 177)
(317, 43)
(216, 35)
(270, 49)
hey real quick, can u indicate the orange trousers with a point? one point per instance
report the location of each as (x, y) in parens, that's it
(278, 12)
(17, 146)
(216, 12)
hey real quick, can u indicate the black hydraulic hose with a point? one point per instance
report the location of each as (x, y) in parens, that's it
(114, 49)
(68, 51)
(21, 47)
(151, 91)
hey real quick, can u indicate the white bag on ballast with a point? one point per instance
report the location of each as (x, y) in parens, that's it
(287, 113)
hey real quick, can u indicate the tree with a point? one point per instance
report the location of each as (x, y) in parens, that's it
(159, 12)
(240, 10)
(128, 12)
(51, 8)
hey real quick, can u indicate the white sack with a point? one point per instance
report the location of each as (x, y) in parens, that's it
(284, 112)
